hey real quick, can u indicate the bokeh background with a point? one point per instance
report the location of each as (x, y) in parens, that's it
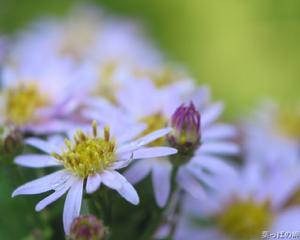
(246, 50)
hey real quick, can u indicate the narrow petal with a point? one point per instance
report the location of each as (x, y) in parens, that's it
(93, 183)
(143, 141)
(36, 161)
(221, 148)
(42, 145)
(186, 181)
(288, 221)
(72, 204)
(138, 171)
(54, 196)
(127, 191)
(214, 165)
(218, 131)
(111, 179)
(161, 182)
(43, 184)
(149, 152)
(211, 114)
(131, 133)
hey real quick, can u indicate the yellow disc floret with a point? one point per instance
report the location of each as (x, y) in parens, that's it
(22, 102)
(88, 155)
(245, 220)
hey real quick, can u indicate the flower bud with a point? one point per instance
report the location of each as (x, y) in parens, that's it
(11, 140)
(88, 228)
(186, 133)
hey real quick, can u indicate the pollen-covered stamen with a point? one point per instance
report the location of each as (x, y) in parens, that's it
(22, 102)
(88, 155)
(238, 225)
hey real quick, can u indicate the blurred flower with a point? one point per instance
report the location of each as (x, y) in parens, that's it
(243, 208)
(203, 163)
(93, 157)
(39, 100)
(88, 228)
(268, 140)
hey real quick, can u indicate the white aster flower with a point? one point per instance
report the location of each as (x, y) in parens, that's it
(203, 163)
(39, 99)
(93, 157)
(244, 207)
(272, 136)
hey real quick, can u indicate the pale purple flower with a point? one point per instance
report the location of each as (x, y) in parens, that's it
(94, 157)
(243, 207)
(204, 163)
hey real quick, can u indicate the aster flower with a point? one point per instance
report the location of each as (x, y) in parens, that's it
(243, 208)
(92, 157)
(30, 103)
(204, 140)
(271, 137)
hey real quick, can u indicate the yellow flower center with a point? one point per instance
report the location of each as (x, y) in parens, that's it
(88, 155)
(289, 122)
(107, 86)
(245, 220)
(22, 103)
(154, 122)
(161, 78)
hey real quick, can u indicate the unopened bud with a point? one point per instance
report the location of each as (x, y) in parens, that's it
(11, 140)
(88, 228)
(186, 135)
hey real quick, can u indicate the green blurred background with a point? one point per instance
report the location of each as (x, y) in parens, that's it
(245, 50)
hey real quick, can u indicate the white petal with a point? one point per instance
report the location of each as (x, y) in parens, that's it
(288, 221)
(54, 196)
(93, 183)
(127, 191)
(143, 141)
(186, 181)
(214, 165)
(221, 148)
(36, 161)
(210, 114)
(161, 182)
(72, 205)
(111, 179)
(138, 171)
(43, 184)
(43, 145)
(218, 131)
(149, 152)
(131, 133)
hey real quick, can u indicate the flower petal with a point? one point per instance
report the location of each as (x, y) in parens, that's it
(127, 191)
(220, 148)
(72, 204)
(143, 141)
(43, 145)
(43, 184)
(111, 179)
(218, 131)
(36, 161)
(161, 179)
(211, 114)
(93, 183)
(54, 196)
(138, 171)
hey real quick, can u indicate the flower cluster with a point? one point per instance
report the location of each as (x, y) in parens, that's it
(90, 97)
